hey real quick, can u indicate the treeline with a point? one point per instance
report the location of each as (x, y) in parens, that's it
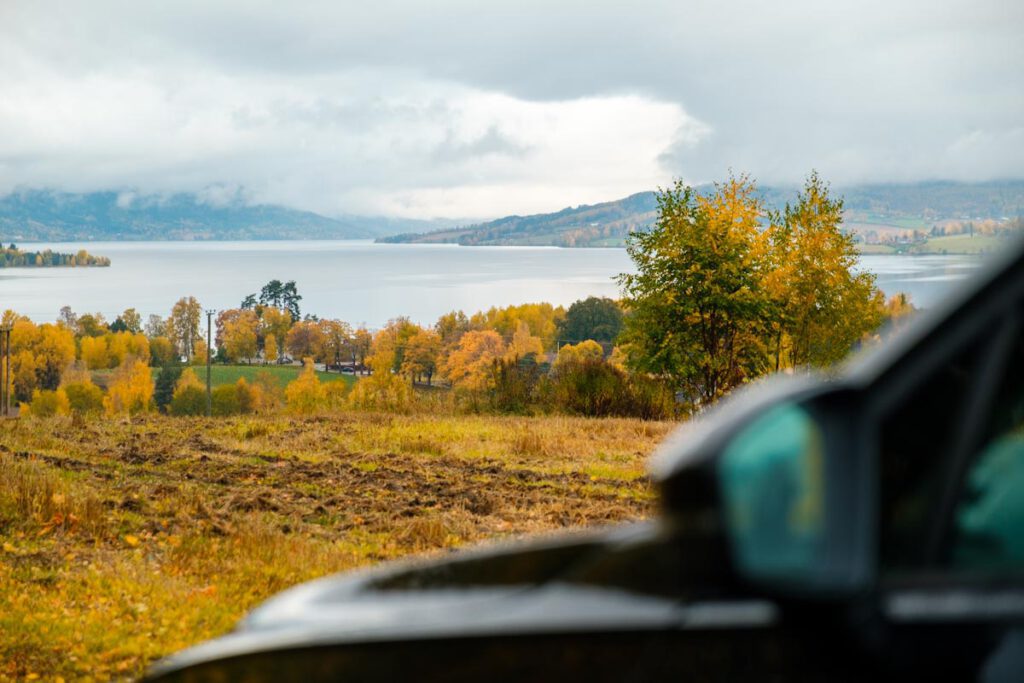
(724, 292)
(13, 257)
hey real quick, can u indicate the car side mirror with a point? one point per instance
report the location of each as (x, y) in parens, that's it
(783, 475)
(795, 498)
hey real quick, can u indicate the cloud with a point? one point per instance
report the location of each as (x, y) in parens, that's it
(459, 109)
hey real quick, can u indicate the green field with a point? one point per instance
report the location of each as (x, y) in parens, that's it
(229, 374)
(962, 244)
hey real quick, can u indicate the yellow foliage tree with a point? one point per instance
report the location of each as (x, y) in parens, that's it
(585, 350)
(382, 390)
(46, 403)
(199, 351)
(240, 336)
(161, 351)
(471, 365)
(131, 389)
(270, 349)
(94, 353)
(305, 395)
(524, 343)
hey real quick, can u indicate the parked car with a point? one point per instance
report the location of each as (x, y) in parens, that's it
(861, 527)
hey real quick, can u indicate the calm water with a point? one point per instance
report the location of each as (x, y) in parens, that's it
(362, 282)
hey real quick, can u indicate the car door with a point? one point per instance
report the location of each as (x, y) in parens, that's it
(951, 503)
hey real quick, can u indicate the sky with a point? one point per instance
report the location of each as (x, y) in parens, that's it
(483, 109)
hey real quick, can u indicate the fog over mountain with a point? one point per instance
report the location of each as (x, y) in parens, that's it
(455, 109)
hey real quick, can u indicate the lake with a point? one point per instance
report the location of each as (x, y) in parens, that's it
(366, 283)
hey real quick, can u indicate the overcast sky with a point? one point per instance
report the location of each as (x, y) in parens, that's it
(480, 109)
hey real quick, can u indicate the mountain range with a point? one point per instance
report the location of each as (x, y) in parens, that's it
(878, 208)
(44, 215)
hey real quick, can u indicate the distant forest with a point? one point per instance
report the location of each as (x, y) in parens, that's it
(12, 257)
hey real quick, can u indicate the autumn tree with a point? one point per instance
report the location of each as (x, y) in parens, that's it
(189, 396)
(183, 325)
(91, 325)
(422, 353)
(696, 303)
(362, 342)
(239, 336)
(305, 394)
(524, 344)
(596, 318)
(584, 351)
(132, 320)
(131, 389)
(451, 326)
(155, 326)
(271, 354)
(305, 340)
(274, 322)
(336, 338)
(471, 364)
(161, 351)
(382, 390)
(822, 306)
(39, 355)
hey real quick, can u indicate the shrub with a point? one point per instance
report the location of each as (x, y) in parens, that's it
(515, 385)
(46, 402)
(224, 400)
(305, 394)
(84, 397)
(189, 395)
(131, 390)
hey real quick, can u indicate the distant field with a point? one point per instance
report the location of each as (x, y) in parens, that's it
(229, 374)
(962, 244)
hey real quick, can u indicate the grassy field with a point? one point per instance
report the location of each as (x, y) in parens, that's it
(124, 541)
(229, 374)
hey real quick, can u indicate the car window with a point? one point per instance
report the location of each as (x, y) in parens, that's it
(914, 453)
(988, 521)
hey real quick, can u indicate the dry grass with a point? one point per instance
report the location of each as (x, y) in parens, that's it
(122, 542)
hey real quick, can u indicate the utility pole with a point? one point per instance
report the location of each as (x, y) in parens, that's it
(209, 360)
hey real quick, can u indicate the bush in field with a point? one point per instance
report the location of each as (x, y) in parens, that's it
(84, 397)
(382, 390)
(588, 387)
(131, 389)
(596, 388)
(251, 397)
(336, 394)
(224, 400)
(46, 402)
(305, 394)
(515, 384)
(189, 395)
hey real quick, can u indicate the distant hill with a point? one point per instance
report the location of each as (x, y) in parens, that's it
(43, 215)
(876, 209)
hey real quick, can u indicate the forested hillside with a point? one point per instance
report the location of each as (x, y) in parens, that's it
(39, 215)
(890, 211)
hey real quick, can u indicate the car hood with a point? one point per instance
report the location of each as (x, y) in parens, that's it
(619, 579)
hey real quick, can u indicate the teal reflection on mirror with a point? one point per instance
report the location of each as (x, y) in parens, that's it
(772, 480)
(989, 520)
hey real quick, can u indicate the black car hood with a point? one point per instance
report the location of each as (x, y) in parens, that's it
(576, 583)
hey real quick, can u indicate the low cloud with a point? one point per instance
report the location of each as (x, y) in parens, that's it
(449, 109)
